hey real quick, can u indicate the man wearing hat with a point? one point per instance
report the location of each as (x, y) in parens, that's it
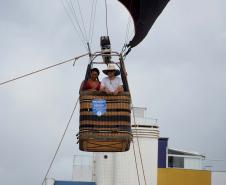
(112, 84)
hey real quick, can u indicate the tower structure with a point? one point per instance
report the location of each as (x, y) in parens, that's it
(136, 166)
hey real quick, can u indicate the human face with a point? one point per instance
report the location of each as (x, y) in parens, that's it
(94, 75)
(111, 74)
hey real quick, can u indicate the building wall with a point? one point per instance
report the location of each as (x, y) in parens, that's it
(193, 163)
(162, 152)
(172, 176)
(104, 168)
(218, 178)
(120, 168)
(125, 164)
(83, 168)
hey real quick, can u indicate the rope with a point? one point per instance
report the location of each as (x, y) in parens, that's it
(80, 35)
(80, 12)
(127, 30)
(70, 5)
(93, 23)
(135, 158)
(43, 69)
(92, 19)
(61, 140)
(128, 24)
(141, 160)
(106, 8)
(139, 150)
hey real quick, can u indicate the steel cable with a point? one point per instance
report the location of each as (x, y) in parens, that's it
(135, 158)
(43, 69)
(138, 143)
(106, 15)
(71, 6)
(92, 20)
(83, 24)
(61, 140)
(81, 37)
(128, 24)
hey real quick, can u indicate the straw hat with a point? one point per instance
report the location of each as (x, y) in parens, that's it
(111, 67)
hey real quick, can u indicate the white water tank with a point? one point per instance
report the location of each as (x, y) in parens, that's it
(103, 167)
(139, 164)
(130, 170)
(83, 167)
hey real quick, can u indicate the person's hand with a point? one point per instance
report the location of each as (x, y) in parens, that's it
(107, 91)
(115, 92)
(92, 90)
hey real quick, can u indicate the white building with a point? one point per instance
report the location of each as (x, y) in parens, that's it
(140, 164)
(183, 159)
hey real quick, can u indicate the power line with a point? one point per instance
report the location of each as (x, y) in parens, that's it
(61, 140)
(43, 69)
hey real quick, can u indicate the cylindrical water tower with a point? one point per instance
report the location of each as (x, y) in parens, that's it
(104, 168)
(140, 163)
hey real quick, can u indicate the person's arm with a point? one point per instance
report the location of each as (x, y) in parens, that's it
(81, 87)
(120, 87)
(103, 87)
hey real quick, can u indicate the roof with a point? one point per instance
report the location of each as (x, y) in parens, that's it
(73, 183)
(182, 152)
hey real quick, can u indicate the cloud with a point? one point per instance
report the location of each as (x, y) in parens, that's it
(177, 72)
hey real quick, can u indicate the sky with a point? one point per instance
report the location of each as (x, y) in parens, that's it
(177, 73)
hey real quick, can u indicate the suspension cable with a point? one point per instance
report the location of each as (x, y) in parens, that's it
(128, 23)
(138, 147)
(135, 158)
(61, 140)
(43, 69)
(83, 24)
(71, 6)
(106, 15)
(80, 35)
(91, 40)
(127, 30)
(92, 20)
(141, 160)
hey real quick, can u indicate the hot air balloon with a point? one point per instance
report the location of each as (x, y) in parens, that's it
(105, 119)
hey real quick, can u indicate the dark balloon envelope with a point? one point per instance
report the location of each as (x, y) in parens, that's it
(144, 14)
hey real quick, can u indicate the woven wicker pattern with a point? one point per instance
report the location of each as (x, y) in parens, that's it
(110, 132)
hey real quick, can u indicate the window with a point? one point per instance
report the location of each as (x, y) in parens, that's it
(175, 162)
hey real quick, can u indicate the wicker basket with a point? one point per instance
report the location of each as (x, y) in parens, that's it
(109, 132)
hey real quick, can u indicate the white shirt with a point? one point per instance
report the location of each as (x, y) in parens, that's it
(111, 85)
